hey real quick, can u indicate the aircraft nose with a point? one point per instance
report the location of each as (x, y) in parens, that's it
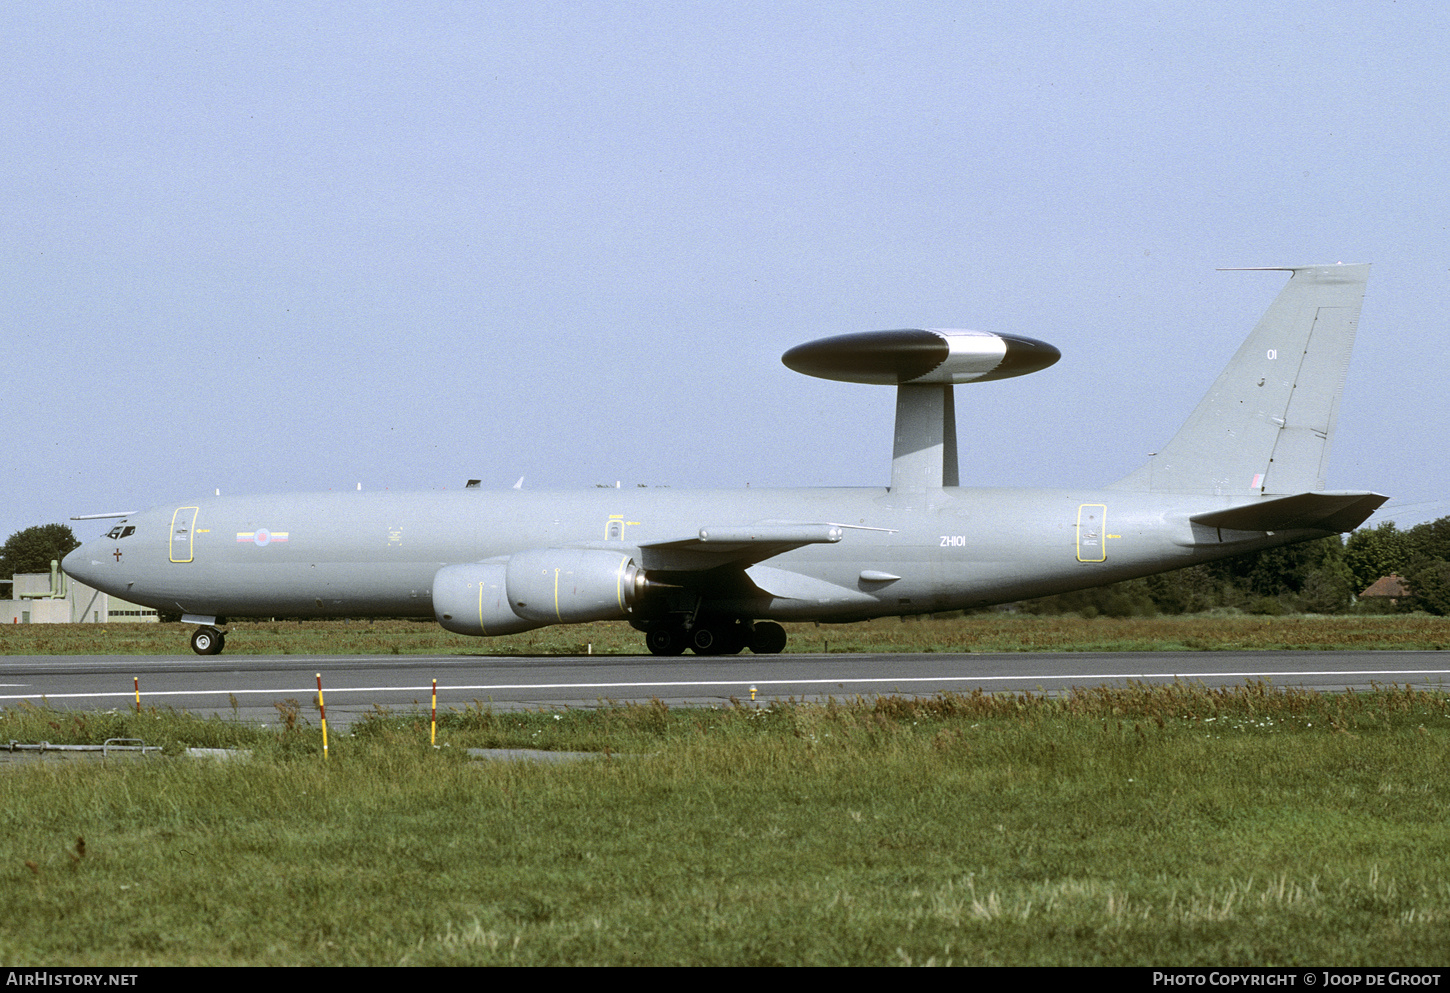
(78, 564)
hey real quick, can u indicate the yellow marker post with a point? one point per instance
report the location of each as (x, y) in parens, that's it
(137, 681)
(433, 734)
(322, 709)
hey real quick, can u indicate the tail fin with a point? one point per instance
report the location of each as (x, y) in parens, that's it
(1266, 425)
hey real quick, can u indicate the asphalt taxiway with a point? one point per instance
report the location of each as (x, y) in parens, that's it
(250, 686)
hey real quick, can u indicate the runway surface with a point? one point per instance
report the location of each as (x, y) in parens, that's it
(250, 685)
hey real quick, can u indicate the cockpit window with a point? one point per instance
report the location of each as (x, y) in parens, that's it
(120, 531)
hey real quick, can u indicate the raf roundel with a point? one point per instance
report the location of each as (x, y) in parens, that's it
(261, 537)
(921, 355)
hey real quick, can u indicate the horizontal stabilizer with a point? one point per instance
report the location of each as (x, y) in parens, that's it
(1333, 512)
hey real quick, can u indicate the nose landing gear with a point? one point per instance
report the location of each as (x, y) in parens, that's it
(207, 640)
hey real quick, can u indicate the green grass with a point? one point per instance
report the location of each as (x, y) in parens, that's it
(987, 632)
(1175, 825)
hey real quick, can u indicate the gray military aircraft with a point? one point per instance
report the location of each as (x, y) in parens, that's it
(714, 571)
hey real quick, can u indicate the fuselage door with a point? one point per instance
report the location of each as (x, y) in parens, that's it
(183, 524)
(1092, 532)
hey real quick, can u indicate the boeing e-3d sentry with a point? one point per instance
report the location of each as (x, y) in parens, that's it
(714, 571)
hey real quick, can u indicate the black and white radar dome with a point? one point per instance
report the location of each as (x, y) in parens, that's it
(921, 355)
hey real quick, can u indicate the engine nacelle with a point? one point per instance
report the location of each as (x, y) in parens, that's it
(473, 599)
(534, 588)
(573, 585)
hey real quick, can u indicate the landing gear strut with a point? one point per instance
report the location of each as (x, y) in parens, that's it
(207, 640)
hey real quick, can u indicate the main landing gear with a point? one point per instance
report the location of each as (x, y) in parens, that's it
(722, 637)
(207, 640)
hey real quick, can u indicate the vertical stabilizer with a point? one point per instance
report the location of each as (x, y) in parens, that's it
(1267, 423)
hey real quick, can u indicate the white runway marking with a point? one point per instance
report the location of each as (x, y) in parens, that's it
(728, 683)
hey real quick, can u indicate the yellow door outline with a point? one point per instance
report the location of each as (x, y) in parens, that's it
(1092, 532)
(183, 526)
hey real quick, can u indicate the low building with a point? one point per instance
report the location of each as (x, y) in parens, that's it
(40, 598)
(1391, 588)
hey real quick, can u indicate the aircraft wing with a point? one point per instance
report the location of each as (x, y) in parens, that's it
(711, 547)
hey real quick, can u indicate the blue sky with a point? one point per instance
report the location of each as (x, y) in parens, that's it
(264, 247)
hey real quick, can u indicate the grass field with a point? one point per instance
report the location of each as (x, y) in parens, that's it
(1168, 826)
(989, 632)
(1138, 826)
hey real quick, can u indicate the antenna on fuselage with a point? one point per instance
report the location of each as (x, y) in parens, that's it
(923, 364)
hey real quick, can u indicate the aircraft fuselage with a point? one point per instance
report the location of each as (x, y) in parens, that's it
(376, 554)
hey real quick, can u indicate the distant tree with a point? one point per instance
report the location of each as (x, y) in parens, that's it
(1281, 572)
(32, 549)
(1327, 591)
(1328, 586)
(1429, 582)
(1431, 539)
(1186, 591)
(1374, 552)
